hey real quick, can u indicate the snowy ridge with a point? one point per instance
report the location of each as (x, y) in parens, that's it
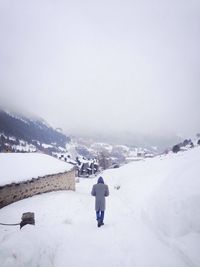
(151, 220)
(18, 117)
(33, 131)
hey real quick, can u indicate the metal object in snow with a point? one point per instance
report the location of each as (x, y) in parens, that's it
(27, 218)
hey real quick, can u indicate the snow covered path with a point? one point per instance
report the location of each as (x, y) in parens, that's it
(66, 233)
(73, 238)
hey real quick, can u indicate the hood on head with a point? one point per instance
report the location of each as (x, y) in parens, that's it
(100, 180)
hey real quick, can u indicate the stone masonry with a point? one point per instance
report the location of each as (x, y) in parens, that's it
(16, 191)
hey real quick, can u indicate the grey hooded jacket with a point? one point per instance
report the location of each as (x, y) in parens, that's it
(100, 191)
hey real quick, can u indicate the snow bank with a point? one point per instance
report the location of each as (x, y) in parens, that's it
(174, 208)
(164, 193)
(17, 167)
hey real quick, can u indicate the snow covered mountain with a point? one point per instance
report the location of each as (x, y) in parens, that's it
(19, 133)
(22, 134)
(152, 219)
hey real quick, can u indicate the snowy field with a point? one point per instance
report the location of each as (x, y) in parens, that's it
(152, 220)
(18, 167)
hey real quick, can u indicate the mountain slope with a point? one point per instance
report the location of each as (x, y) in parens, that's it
(33, 131)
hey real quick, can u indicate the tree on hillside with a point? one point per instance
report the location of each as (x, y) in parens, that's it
(104, 160)
(176, 148)
(186, 142)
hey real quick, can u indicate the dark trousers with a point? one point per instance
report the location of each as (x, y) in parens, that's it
(100, 215)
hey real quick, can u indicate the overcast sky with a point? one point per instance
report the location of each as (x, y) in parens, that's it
(109, 65)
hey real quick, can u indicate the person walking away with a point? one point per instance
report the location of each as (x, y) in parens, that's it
(100, 191)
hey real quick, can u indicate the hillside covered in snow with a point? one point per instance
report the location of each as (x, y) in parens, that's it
(152, 219)
(22, 134)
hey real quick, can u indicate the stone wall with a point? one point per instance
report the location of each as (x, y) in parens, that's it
(17, 191)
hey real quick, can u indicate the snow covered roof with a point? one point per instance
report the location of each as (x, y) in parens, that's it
(18, 167)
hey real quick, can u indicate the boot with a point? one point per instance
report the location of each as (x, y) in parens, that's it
(99, 223)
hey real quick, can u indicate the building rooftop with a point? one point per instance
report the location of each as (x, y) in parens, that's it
(18, 167)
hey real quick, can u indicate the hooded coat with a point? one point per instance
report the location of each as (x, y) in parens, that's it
(100, 191)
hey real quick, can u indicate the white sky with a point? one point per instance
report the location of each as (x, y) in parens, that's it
(103, 65)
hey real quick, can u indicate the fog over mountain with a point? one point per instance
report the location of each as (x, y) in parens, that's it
(108, 67)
